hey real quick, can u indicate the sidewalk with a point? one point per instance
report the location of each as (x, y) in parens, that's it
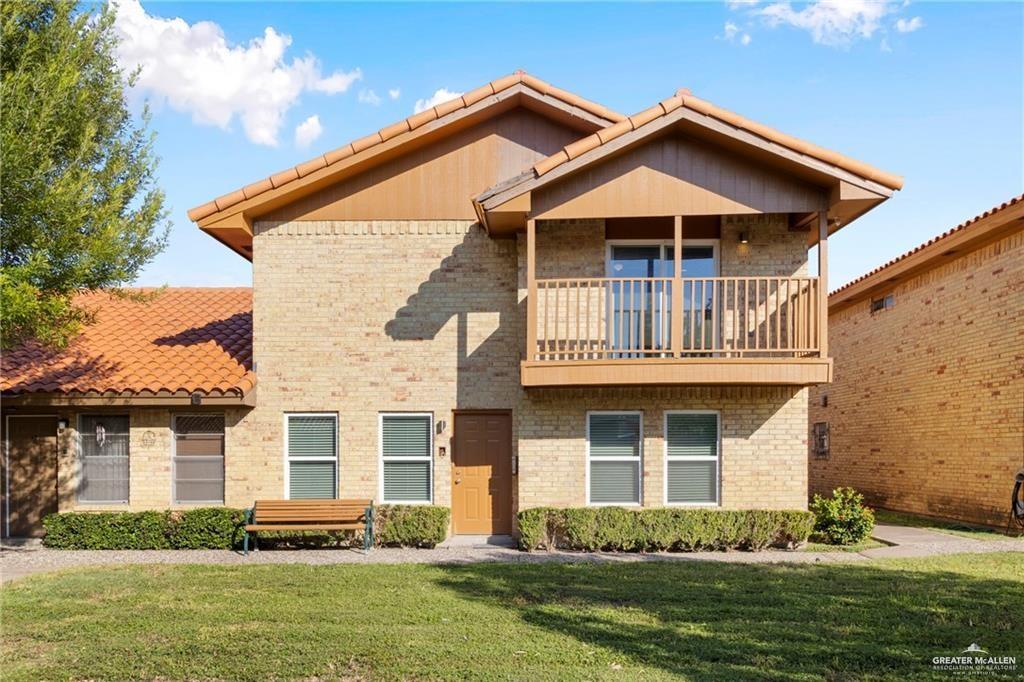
(907, 542)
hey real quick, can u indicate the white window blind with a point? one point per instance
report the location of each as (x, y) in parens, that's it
(691, 449)
(613, 458)
(312, 456)
(103, 449)
(406, 445)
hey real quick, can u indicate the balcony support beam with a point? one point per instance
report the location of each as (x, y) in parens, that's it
(531, 289)
(677, 287)
(823, 284)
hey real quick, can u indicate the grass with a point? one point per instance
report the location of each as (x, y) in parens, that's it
(501, 621)
(959, 528)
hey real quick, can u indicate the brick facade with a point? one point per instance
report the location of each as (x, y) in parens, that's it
(359, 318)
(926, 411)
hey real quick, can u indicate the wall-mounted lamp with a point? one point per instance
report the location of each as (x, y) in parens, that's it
(441, 426)
(62, 424)
(743, 238)
(197, 398)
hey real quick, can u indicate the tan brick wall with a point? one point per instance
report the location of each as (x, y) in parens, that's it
(926, 412)
(763, 442)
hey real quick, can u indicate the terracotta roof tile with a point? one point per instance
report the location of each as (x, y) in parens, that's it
(409, 124)
(934, 240)
(190, 340)
(706, 108)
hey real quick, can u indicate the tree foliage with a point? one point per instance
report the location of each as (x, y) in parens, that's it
(79, 205)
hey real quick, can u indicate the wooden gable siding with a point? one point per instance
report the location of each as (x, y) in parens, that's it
(676, 175)
(438, 181)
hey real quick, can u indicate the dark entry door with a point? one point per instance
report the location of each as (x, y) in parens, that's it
(30, 488)
(482, 473)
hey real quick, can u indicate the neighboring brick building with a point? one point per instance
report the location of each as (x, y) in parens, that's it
(926, 410)
(623, 315)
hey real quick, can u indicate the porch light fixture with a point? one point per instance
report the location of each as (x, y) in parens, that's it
(62, 423)
(441, 426)
(743, 238)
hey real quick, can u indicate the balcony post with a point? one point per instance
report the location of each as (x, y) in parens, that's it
(823, 283)
(677, 287)
(531, 289)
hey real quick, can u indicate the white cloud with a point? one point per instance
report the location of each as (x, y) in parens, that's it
(368, 97)
(909, 25)
(738, 4)
(732, 33)
(308, 131)
(394, 93)
(837, 23)
(193, 69)
(439, 96)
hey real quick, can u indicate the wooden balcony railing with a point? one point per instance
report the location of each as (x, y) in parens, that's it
(709, 317)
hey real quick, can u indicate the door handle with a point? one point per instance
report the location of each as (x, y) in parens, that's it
(458, 481)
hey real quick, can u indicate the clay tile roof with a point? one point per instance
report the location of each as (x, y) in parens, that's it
(683, 99)
(397, 129)
(934, 240)
(183, 340)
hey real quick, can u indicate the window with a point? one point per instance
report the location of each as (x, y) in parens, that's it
(691, 458)
(198, 458)
(821, 440)
(103, 457)
(406, 446)
(311, 442)
(884, 303)
(613, 457)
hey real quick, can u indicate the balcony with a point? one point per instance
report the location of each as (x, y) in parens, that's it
(671, 331)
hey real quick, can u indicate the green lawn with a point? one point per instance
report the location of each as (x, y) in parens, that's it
(965, 530)
(869, 543)
(646, 620)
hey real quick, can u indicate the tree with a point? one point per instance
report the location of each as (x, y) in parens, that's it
(79, 206)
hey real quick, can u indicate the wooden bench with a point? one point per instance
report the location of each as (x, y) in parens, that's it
(327, 515)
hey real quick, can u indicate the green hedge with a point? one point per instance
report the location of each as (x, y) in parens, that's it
(655, 530)
(221, 528)
(411, 525)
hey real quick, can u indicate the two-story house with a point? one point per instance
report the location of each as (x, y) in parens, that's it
(516, 298)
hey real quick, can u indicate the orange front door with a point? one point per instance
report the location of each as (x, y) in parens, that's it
(31, 479)
(482, 473)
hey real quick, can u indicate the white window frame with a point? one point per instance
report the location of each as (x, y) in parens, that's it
(717, 459)
(664, 243)
(174, 458)
(639, 459)
(288, 460)
(79, 458)
(380, 457)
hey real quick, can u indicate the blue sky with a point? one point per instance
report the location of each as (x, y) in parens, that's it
(932, 91)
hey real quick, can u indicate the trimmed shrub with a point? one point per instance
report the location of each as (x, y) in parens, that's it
(618, 529)
(410, 525)
(108, 530)
(207, 528)
(842, 519)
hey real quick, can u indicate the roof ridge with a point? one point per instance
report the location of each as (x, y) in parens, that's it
(406, 125)
(683, 99)
(931, 242)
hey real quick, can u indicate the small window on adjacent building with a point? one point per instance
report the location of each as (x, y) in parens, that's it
(883, 303)
(103, 447)
(613, 457)
(312, 454)
(821, 440)
(198, 459)
(406, 445)
(691, 452)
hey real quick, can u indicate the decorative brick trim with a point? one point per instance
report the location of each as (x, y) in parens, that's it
(321, 228)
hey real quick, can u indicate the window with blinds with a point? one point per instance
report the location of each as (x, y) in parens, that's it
(613, 457)
(406, 446)
(198, 461)
(103, 448)
(312, 453)
(691, 451)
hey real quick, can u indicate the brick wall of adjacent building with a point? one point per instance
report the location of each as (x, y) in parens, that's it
(926, 412)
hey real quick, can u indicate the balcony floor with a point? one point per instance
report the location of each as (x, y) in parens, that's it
(677, 371)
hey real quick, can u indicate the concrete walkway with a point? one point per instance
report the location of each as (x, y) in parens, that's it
(18, 562)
